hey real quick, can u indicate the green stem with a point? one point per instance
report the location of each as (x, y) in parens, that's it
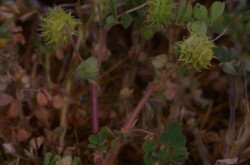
(63, 122)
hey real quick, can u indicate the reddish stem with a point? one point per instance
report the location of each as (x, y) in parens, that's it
(111, 158)
(100, 49)
(130, 123)
(73, 43)
(94, 92)
(94, 87)
(94, 96)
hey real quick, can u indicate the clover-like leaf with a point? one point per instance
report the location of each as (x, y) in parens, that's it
(110, 21)
(148, 146)
(200, 12)
(126, 20)
(148, 159)
(224, 54)
(103, 134)
(93, 140)
(177, 141)
(188, 13)
(185, 12)
(198, 27)
(216, 11)
(181, 10)
(87, 69)
(228, 68)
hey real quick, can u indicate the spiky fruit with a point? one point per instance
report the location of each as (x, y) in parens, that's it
(160, 13)
(196, 52)
(53, 26)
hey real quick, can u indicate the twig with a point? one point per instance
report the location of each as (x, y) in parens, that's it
(224, 31)
(133, 9)
(63, 122)
(73, 43)
(94, 97)
(130, 124)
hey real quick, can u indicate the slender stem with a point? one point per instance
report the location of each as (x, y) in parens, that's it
(111, 158)
(47, 65)
(224, 31)
(130, 123)
(63, 122)
(133, 9)
(94, 87)
(73, 43)
(95, 122)
(94, 95)
(100, 48)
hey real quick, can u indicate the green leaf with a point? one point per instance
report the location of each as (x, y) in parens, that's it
(174, 128)
(113, 8)
(126, 20)
(148, 146)
(245, 16)
(47, 158)
(198, 27)
(173, 149)
(177, 156)
(225, 54)
(148, 159)
(200, 12)
(177, 141)
(102, 134)
(87, 69)
(55, 160)
(76, 161)
(93, 140)
(216, 11)
(188, 13)
(163, 138)
(4, 33)
(110, 21)
(170, 134)
(228, 68)
(113, 143)
(181, 11)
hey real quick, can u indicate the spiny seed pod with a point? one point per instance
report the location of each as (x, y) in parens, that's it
(196, 51)
(160, 13)
(53, 26)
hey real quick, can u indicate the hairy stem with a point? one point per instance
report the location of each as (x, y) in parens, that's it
(132, 119)
(94, 97)
(130, 123)
(73, 43)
